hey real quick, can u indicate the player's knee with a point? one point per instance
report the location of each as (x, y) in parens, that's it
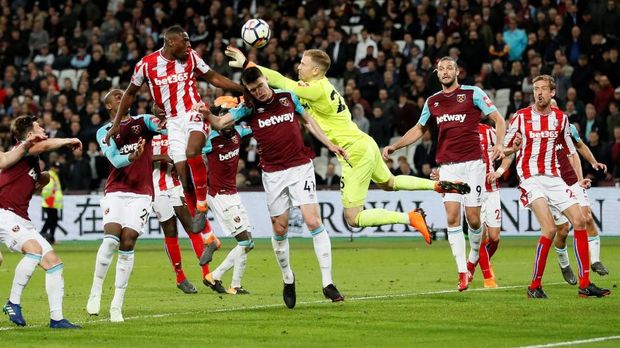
(579, 222)
(50, 259)
(314, 222)
(351, 217)
(32, 247)
(126, 244)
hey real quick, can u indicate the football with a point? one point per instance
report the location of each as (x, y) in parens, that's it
(256, 33)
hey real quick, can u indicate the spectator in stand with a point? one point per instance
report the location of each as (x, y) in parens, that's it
(516, 104)
(613, 158)
(591, 123)
(381, 129)
(515, 38)
(425, 152)
(331, 178)
(80, 175)
(499, 49)
(403, 167)
(360, 119)
(613, 120)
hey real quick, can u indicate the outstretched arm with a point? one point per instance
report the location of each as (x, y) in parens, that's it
(318, 133)
(53, 144)
(8, 159)
(222, 81)
(412, 135)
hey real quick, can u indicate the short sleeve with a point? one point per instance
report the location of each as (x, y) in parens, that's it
(483, 102)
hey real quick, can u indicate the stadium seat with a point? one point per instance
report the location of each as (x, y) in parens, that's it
(420, 43)
(400, 44)
(71, 74)
(116, 81)
(502, 97)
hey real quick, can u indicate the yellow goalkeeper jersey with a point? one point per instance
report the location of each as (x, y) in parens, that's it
(324, 104)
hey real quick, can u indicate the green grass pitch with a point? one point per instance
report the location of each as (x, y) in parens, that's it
(399, 293)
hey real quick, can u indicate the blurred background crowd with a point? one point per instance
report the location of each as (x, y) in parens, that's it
(60, 57)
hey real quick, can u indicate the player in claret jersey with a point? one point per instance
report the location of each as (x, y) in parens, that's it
(127, 201)
(571, 173)
(457, 111)
(169, 204)
(222, 152)
(288, 173)
(325, 105)
(541, 126)
(171, 73)
(20, 177)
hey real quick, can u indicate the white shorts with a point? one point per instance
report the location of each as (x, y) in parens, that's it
(290, 187)
(165, 201)
(470, 172)
(15, 231)
(126, 209)
(491, 212)
(179, 127)
(229, 213)
(582, 198)
(552, 188)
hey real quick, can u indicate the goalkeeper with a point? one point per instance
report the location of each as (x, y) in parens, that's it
(327, 107)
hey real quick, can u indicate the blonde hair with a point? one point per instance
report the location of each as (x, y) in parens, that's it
(319, 58)
(547, 78)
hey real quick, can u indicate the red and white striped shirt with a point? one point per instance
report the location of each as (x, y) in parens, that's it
(541, 133)
(488, 138)
(163, 179)
(172, 83)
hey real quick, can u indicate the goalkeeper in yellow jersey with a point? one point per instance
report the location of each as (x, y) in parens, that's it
(327, 107)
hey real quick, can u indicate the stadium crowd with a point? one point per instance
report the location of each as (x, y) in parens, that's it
(59, 59)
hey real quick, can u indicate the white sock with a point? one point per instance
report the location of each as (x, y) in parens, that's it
(323, 251)
(457, 244)
(562, 257)
(102, 263)
(124, 266)
(594, 243)
(280, 248)
(227, 264)
(240, 261)
(475, 238)
(55, 287)
(23, 272)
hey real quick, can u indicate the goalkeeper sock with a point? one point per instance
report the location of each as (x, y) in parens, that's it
(379, 217)
(412, 183)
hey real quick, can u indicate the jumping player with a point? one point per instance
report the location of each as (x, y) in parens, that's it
(325, 105)
(171, 74)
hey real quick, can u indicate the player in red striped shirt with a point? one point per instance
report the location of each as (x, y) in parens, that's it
(168, 204)
(171, 74)
(541, 126)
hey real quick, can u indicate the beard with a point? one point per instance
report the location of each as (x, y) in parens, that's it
(448, 83)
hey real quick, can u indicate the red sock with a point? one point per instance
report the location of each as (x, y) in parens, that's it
(190, 200)
(199, 245)
(485, 260)
(542, 250)
(492, 247)
(199, 175)
(174, 254)
(583, 257)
